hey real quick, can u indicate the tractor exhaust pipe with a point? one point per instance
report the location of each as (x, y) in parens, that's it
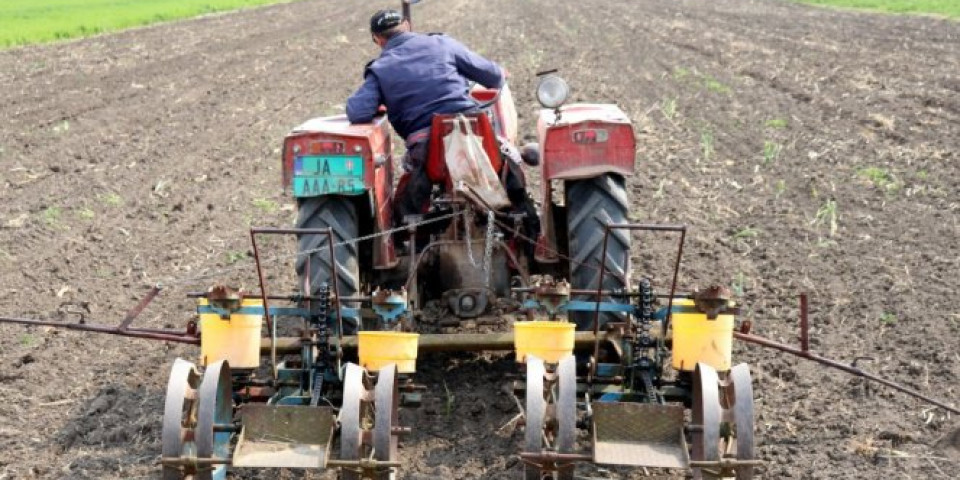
(405, 10)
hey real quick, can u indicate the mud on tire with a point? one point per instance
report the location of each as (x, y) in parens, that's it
(340, 215)
(591, 204)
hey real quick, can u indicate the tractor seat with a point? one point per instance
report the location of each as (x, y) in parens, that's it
(443, 125)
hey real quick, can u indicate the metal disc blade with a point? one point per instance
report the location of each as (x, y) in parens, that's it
(741, 386)
(536, 405)
(181, 388)
(385, 442)
(566, 411)
(706, 413)
(351, 433)
(567, 405)
(536, 410)
(215, 408)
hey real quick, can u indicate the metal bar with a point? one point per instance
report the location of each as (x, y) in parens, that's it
(266, 308)
(840, 366)
(548, 456)
(648, 227)
(804, 324)
(194, 461)
(263, 292)
(290, 298)
(162, 331)
(287, 231)
(328, 232)
(406, 13)
(596, 311)
(524, 275)
(673, 287)
(411, 285)
(172, 336)
(363, 463)
(137, 310)
(439, 342)
(592, 292)
(227, 427)
(415, 267)
(725, 463)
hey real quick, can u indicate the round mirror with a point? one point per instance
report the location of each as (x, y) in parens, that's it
(552, 91)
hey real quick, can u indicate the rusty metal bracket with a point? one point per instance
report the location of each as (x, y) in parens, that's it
(328, 232)
(804, 352)
(681, 229)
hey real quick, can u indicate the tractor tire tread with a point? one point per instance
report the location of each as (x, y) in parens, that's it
(593, 203)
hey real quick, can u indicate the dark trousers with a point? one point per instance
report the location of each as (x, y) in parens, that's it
(412, 196)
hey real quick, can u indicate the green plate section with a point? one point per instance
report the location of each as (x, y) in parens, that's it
(315, 175)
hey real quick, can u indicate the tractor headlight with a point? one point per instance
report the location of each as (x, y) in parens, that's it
(552, 91)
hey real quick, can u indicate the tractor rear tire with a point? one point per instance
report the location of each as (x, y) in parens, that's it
(593, 203)
(340, 215)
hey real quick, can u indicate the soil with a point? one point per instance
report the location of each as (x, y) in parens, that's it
(808, 150)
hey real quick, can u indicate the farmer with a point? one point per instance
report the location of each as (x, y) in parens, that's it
(416, 77)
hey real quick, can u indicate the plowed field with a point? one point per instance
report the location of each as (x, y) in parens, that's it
(808, 150)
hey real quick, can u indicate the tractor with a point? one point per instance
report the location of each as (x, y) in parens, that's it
(364, 276)
(618, 368)
(469, 251)
(595, 345)
(342, 178)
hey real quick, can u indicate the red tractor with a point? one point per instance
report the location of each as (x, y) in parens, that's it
(342, 177)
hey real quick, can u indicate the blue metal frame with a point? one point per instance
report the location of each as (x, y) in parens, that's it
(585, 306)
(274, 311)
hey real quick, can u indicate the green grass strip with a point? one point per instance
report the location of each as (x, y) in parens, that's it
(947, 8)
(24, 22)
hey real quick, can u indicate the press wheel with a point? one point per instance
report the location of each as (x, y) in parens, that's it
(215, 408)
(385, 440)
(566, 412)
(367, 418)
(535, 413)
(179, 416)
(705, 438)
(354, 414)
(723, 420)
(551, 416)
(736, 397)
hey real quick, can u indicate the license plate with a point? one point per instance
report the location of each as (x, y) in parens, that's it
(315, 175)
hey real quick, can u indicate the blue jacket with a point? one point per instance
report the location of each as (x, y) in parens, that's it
(418, 76)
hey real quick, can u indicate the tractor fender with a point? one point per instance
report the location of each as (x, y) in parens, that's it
(330, 156)
(337, 137)
(585, 140)
(578, 142)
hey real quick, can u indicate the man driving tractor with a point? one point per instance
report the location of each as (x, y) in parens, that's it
(416, 77)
